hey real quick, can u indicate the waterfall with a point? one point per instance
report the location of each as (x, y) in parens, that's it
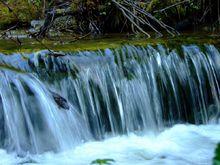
(55, 102)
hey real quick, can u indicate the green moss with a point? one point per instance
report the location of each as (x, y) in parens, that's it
(112, 41)
(23, 11)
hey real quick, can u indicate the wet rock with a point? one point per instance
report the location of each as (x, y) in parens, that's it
(36, 25)
(163, 157)
(56, 54)
(61, 102)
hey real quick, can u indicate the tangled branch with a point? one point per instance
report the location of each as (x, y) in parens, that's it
(139, 18)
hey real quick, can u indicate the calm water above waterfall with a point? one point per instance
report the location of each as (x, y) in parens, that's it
(136, 105)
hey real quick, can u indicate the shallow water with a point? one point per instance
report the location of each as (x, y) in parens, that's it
(181, 144)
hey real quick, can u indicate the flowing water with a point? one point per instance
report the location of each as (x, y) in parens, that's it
(136, 105)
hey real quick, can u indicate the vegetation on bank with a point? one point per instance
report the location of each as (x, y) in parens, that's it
(217, 156)
(110, 16)
(48, 23)
(18, 11)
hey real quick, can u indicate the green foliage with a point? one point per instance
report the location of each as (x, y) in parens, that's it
(217, 156)
(22, 11)
(107, 16)
(103, 161)
(37, 3)
(74, 5)
(153, 4)
(173, 14)
(194, 5)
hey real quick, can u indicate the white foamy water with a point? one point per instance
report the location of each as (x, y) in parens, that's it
(182, 145)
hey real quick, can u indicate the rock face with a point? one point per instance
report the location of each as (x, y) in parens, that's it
(61, 102)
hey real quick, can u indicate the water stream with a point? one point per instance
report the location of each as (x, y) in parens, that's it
(136, 105)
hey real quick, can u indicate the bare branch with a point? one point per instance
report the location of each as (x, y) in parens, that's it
(123, 9)
(171, 6)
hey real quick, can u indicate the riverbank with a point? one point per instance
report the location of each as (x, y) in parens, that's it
(69, 43)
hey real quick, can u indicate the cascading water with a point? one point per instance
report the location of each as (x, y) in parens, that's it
(31, 120)
(57, 102)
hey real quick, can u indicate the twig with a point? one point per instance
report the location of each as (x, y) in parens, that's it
(79, 38)
(123, 9)
(205, 13)
(7, 30)
(168, 7)
(169, 29)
